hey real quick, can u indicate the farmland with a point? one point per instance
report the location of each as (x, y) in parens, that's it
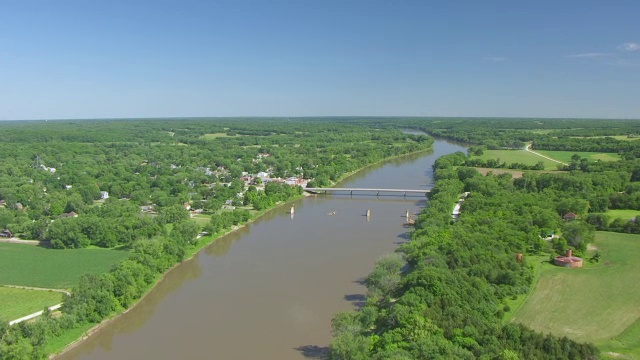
(622, 213)
(518, 156)
(565, 156)
(24, 302)
(29, 265)
(594, 303)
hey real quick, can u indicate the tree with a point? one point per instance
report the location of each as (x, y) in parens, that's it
(599, 221)
(578, 234)
(172, 214)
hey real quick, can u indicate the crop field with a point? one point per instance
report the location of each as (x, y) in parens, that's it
(596, 303)
(17, 303)
(518, 156)
(565, 156)
(29, 265)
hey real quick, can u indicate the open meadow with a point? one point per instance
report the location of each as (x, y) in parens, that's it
(518, 156)
(29, 265)
(565, 156)
(622, 213)
(17, 303)
(595, 303)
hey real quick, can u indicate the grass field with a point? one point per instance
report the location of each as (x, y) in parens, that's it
(30, 265)
(519, 156)
(217, 135)
(565, 156)
(596, 303)
(17, 303)
(617, 137)
(624, 214)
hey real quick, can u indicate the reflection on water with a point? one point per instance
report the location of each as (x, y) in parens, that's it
(270, 289)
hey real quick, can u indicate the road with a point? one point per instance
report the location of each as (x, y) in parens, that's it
(544, 156)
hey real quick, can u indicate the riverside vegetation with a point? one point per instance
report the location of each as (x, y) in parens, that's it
(445, 293)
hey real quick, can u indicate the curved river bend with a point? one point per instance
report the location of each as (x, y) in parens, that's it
(269, 290)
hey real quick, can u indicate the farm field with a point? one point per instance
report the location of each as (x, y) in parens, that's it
(29, 265)
(218, 135)
(595, 303)
(17, 303)
(565, 156)
(617, 137)
(518, 156)
(624, 214)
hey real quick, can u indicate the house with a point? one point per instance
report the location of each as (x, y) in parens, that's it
(569, 216)
(104, 195)
(6, 233)
(68, 215)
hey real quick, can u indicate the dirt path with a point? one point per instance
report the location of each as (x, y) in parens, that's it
(37, 288)
(544, 156)
(14, 240)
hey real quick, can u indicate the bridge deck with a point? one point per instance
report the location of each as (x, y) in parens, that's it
(418, 191)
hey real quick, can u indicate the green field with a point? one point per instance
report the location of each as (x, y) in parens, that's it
(17, 303)
(217, 135)
(30, 265)
(617, 137)
(565, 156)
(596, 303)
(624, 214)
(518, 156)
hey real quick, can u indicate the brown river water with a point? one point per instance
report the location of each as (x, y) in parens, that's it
(270, 289)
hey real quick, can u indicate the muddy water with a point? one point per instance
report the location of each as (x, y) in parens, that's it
(269, 290)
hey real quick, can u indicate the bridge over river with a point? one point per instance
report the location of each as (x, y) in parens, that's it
(365, 190)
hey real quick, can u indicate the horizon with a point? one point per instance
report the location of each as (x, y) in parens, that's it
(148, 59)
(360, 117)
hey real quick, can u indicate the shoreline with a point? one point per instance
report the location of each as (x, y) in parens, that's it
(85, 335)
(97, 327)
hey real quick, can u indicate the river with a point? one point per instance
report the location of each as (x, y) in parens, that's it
(270, 289)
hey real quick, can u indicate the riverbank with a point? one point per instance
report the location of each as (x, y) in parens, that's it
(190, 255)
(203, 243)
(346, 176)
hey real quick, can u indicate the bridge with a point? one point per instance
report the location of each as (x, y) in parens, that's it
(362, 190)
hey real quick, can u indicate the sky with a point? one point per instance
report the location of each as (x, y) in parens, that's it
(63, 59)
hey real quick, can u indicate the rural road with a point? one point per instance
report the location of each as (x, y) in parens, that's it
(544, 156)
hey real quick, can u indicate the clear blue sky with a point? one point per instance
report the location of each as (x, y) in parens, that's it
(106, 59)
